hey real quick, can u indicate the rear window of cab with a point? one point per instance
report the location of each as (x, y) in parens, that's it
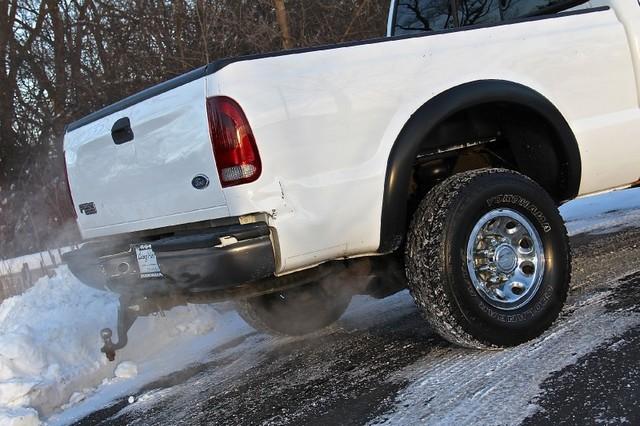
(417, 16)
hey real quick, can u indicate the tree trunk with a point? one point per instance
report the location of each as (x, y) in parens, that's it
(59, 94)
(283, 23)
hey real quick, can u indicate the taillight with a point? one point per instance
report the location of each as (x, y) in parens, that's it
(66, 176)
(234, 145)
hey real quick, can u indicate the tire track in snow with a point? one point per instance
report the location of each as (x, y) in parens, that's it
(475, 387)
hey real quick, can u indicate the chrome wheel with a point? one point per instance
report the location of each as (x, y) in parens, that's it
(505, 259)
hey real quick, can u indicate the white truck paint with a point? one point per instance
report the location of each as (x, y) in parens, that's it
(325, 122)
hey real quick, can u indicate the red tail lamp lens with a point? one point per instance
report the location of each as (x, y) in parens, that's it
(234, 145)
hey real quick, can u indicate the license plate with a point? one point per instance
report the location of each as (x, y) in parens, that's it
(147, 262)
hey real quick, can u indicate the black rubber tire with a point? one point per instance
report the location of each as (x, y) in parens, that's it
(436, 265)
(294, 312)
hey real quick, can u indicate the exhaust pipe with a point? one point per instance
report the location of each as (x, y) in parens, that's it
(124, 268)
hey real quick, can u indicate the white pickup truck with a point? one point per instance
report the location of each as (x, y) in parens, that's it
(437, 155)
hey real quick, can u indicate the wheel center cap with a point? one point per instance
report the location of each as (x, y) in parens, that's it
(506, 259)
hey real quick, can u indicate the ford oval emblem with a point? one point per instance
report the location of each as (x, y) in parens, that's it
(200, 182)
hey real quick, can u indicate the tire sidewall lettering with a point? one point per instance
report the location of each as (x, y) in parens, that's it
(520, 201)
(505, 317)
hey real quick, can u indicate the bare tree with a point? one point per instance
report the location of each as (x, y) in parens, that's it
(283, 23)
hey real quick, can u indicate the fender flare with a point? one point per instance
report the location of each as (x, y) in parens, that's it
(426, 118)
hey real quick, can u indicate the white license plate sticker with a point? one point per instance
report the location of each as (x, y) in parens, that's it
(147, 262)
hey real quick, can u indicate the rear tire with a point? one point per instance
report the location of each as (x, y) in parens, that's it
(488, 259)
(294, 312)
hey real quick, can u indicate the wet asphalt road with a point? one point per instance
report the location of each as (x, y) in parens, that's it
(381, 363)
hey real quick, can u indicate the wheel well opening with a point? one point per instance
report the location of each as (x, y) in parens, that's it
(499, 134)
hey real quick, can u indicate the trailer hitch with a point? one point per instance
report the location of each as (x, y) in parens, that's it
(130, 309)
(127, 315)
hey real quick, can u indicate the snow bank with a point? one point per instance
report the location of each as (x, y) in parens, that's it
(48, 341)
(50, 344)
(19, 417)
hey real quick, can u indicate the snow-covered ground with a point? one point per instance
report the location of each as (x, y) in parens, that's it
(50, 357)
(603, 213)
(51, 367)
(501, 387)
